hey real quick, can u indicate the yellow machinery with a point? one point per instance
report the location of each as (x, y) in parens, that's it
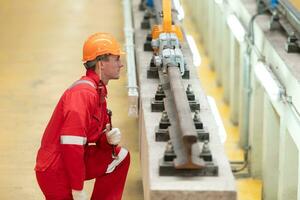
(167, 26)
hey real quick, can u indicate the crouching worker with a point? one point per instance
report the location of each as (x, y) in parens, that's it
(79, 142)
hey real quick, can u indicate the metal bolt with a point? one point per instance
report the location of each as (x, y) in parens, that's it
(189, 89)
(276, 15)
(292, 37)
(292, 33)
(197, 116)
(164, 116)
(169, 147)
(161, 14)
(160, 88)
(205, 147)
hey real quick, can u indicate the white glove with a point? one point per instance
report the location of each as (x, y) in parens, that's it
(79, 195)
(113, 136)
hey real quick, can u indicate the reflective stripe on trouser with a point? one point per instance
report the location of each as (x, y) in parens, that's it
(108, 186)
(121, 156)
(111, 185)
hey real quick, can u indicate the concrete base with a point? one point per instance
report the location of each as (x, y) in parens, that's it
(172, 188)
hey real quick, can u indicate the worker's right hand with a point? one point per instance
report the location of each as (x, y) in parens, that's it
(113, 136)
(79, 195)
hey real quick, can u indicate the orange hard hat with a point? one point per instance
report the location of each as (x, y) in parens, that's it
(100, 44)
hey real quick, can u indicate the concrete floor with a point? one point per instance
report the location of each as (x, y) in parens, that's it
(296, 3)
(40, 56)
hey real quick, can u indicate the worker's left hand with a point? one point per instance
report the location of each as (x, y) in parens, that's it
(113, 136)
(79, 195)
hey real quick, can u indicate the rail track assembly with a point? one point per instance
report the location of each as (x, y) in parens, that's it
(181, 153)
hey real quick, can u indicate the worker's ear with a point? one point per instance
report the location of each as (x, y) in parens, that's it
(98, 67)
(101, 65)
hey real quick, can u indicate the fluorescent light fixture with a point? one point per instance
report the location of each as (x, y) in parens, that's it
(218, 1)
(179, 9)
(268, 80)
(180, 13)
(236, 27)
(194, 49)
(216, 114)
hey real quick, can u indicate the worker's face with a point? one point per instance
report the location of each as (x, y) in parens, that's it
(111, 67)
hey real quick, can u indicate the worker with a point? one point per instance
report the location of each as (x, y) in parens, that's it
(79, 142)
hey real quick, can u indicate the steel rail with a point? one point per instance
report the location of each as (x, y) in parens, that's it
(185, 143)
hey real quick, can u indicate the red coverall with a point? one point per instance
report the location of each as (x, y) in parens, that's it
(67, 157)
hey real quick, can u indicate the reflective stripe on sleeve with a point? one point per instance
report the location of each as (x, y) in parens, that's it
(82, 82)
(121, 156)
(70, 139)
